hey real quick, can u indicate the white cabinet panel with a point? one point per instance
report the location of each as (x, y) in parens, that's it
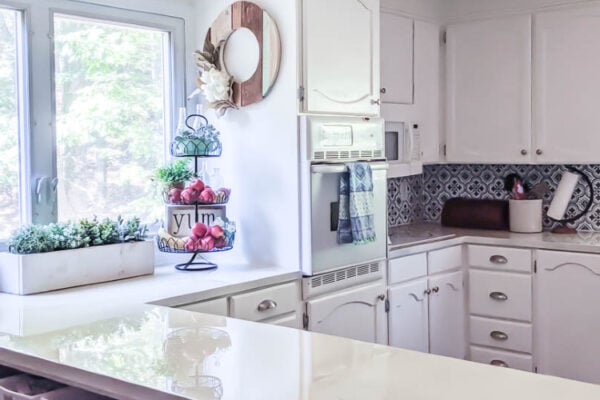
(357, 313)
(500, 358)
(500, 258)
(566, 85)
(508, 335)
(397, 50)
(293, 320)
(447, 315)
(409, 316)
(567, 304)
(214, 307)
(341, 70)
(266, 303)
(500, 294)
(489, 90)
(406, 268)
(444, 260)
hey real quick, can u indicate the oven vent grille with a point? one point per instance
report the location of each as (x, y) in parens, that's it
(347, 155)
(344, 275)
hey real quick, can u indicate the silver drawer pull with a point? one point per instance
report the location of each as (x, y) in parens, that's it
(499, 335)
(498, 296)
(266, 305)
(497, 259)
(499, 363)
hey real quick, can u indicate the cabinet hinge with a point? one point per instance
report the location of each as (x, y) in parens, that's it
(305, 320)
(535, 267)
(444, 150)
(444, 37)
(301, 93)
(387, 306)
(535, 370)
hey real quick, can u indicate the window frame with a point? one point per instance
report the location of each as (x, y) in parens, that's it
(38, 134)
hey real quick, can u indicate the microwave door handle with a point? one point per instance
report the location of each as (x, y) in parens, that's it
(340, 168)
(411, 142)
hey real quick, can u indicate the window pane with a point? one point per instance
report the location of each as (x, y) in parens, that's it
(110, 114)
(9, 124)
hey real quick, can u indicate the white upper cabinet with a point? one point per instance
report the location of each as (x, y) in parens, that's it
(397, 44)
(341, 71)
(489, 91)
(566, 85)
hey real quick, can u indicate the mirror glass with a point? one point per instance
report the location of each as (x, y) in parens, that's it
(241, 54)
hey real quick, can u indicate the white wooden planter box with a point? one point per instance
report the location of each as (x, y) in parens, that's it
(36, 273)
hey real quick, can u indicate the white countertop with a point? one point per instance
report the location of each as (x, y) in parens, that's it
(172, 354)
(45, 312)
(407, 239)
(108, 339)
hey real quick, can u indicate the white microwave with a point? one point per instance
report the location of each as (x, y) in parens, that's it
(403, 149)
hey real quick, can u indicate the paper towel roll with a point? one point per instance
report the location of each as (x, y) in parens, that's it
(562, 196)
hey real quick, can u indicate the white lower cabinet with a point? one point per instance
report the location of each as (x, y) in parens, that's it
(447, 315)
(567, 306)
(500, 304)
(356, 313)
(409, 316)
(427, 313)
(214, 307)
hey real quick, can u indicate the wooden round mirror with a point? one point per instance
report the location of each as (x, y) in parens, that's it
(245, 15)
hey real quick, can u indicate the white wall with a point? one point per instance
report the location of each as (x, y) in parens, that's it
(260, 153)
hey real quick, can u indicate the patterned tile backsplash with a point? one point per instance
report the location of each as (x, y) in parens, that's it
(421, 197)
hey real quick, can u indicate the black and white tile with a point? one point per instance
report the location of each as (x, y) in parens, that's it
(421, 198)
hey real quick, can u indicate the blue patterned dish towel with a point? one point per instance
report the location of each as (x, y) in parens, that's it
(357, 202)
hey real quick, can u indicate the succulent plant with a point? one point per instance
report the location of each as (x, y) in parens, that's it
(174, 173)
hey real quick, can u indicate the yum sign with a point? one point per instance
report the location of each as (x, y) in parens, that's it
(181, 219)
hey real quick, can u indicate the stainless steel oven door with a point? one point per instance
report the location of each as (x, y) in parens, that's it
(326, 253)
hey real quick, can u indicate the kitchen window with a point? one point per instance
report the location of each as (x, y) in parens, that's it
(86, 110)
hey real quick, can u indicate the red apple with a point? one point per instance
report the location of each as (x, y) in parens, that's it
(199, 230)
(175, 195)
(216, 231)
(207, 243)
(220, 242)
(207, 196)
(197, 185)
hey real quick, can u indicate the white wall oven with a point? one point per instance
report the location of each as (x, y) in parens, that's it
(328, 144)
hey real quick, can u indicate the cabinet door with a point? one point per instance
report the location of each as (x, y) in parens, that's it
(357, 313)
(447, 315)
(397, 42)
(566, 85)
(567, 306)
(408, 316)
(341, 56)
(489, 90)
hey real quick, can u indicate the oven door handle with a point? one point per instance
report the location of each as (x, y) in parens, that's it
(341, 168)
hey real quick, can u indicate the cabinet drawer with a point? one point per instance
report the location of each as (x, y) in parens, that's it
(506, 335)
(407, 268)
(502, 358)
(266, 303)
(500, 258)
(445, 259)
(500, 294)
(215, 307)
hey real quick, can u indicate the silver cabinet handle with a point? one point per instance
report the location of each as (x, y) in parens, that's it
(378, 102)
(383, 90)
(266, 305)
(435, 289)
(497, 335)
(381, 297)
(499, 363)
(539, 152)
(499, 296)
(498, 259)
(427, 292)
(524, 152)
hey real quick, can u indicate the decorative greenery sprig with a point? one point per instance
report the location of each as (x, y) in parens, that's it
(174, 173)
(74, 235)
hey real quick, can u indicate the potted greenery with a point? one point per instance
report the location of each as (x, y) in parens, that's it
(56, 256)
(172, 178)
